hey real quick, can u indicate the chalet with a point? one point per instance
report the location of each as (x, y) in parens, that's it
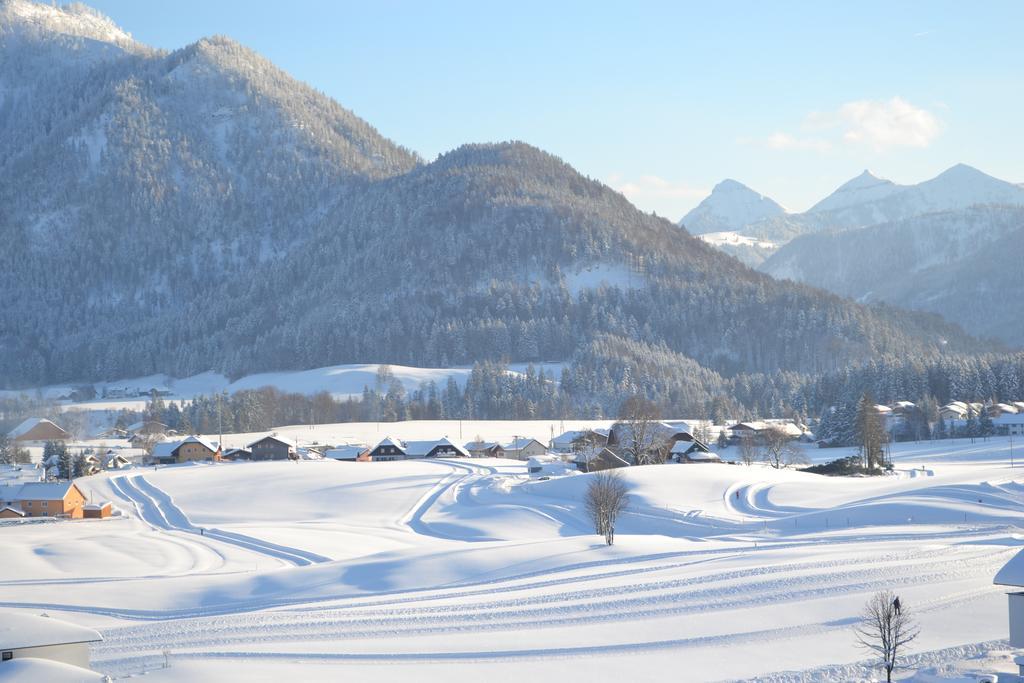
(100, 510)
(578, 440)
(192, 448)
(274, 447)
(692, 452)
(521, 448)
(38, 499)
(598, 459)
(349, 453)
(1012, 577)
(38, 430)
(388, 449)
(485, 449)
(27, 636)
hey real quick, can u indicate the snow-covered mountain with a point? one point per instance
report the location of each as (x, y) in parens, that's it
(730, 206)
(962, 263)
(865, 188)
(194, 210)
(869, 200)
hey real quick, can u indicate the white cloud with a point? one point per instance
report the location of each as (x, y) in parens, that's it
(895, 123)
(879, 124)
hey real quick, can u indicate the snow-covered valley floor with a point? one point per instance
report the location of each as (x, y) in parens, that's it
(465, 570)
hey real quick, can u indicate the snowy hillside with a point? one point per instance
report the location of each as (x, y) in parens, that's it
(463, 570)
(730, 206)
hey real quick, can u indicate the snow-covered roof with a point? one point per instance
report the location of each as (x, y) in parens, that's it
(389, 441)
(592, 454)
(15, 510)
(49, 670)
(211, 445)
(36, 490)
(1009, 419)
(19, 630)
(28, 425)
(97, 506)
(283, 440)
(422, 448)
(164, 449)
(567, 438)
(520, 443)
(481, 445)
(1012, 573)
(345, 452)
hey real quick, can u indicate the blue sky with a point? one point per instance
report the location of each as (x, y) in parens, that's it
(658, 99)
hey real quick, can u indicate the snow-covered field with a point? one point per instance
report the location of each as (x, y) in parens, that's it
(465, 570)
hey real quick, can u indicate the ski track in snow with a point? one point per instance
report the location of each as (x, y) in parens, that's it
(158, 510)
(750, 556)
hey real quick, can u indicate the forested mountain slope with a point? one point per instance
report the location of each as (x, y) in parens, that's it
(195, 210)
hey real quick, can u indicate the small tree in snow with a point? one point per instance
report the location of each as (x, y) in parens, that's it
(886, 628)
(605, 499)
(748, 448)
(778, 449)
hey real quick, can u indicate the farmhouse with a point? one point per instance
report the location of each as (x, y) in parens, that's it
(40, 637)
(37, 499)
(38, 430)
(273, 447)
(236, 454)
(1009, 424)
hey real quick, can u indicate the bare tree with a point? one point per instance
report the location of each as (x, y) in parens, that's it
(639, 418)
(748, 449)
(886, 628)
(778, 450)
(605, 499)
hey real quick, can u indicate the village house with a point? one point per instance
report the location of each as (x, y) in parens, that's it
(273, 447)
(598, 459)
(38, 499)
(954, 410)
(112, 460)
(521, 448)
(192, 448)
(758, 429)
(997, 409)
(25, 636)
(37, 430)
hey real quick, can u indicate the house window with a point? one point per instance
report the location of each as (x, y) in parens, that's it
(45, 503)
(28, 503)
(6, 656)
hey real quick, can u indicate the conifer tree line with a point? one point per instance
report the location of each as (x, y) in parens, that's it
(597, 383)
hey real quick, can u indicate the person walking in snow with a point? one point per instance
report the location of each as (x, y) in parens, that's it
(896, 604)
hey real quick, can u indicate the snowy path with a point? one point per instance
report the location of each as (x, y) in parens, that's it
(158, 510)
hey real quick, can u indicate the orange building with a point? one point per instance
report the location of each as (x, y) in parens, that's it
(38, 499)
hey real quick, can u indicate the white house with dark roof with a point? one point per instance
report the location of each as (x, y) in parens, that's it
(522, 448)
(41, 637)
(1012, 576)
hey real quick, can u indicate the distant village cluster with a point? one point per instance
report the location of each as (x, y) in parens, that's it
(44, 486)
